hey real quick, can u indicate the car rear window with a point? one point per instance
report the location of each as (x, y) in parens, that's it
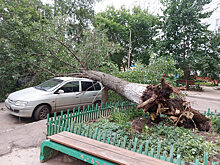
(97, 86)
(87, 86)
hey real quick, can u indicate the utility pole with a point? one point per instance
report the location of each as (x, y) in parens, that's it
(129, 51)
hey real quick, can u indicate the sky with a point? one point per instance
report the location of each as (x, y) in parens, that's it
(152, 5)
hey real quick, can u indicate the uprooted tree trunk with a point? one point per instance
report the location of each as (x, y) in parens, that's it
(154, 99)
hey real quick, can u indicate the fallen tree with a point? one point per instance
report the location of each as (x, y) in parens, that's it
(154, 99)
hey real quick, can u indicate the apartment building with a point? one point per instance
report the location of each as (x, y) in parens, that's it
(214, 20)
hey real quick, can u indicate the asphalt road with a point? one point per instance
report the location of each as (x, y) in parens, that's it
(202, 101)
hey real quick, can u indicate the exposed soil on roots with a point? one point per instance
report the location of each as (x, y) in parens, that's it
(157, 100)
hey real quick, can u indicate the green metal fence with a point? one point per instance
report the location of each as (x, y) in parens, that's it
(64, 121)
(72, 122)
(209, 113)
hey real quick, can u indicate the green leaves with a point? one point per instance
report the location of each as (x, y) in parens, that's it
(95, 49)
(186, 38)
(152, 73)
(26, 43)
(118, 23)
(215, 120)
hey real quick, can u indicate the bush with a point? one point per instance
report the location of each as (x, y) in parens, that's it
(152, 73)
(143, 74)
(118, 117)
(115, 97)
(215, 120)
(124, 117)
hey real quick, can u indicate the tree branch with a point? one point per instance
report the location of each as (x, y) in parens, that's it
(73, 54)
(55, 56)
(42, 68)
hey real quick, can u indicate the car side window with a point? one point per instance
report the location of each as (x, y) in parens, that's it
(71, 87)
(87, 86)
(97, 86)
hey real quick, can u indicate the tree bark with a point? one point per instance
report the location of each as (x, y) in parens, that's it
(132, 91)
(104, 95)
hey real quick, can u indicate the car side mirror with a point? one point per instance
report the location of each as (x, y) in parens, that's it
(60, 91)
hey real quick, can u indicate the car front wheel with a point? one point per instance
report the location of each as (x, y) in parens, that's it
(41, 112)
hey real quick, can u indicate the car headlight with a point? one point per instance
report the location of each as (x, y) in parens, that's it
(21, 103)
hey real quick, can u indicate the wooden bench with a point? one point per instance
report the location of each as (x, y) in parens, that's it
(93, 151)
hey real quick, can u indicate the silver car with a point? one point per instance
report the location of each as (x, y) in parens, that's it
(60, 93)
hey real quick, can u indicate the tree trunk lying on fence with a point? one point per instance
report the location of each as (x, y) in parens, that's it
(154, 99)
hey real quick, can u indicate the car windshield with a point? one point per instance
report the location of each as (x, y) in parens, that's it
(45, 86)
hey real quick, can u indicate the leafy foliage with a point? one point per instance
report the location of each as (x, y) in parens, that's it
(209, 60)
(118, 117)
(215, 120)
(123, 118)
(184, 36)
(94, 50)
(27, 40)
(78, 15)
(152, 73)
(118, 23)
(21, 33)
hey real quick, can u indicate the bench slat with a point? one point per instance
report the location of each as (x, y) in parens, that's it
(103, 150)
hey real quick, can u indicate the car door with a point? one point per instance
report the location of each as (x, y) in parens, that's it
(88, 92)
(70, 98)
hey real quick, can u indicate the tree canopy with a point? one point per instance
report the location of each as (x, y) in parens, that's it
(118, 24)
(184, 36)
(27, 39)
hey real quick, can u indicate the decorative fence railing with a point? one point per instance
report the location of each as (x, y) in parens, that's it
(63, 121)
(209, 113)
(72, 122)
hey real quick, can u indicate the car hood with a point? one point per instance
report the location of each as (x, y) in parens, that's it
(26, 94)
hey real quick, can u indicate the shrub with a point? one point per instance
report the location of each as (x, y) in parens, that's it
(215, 120)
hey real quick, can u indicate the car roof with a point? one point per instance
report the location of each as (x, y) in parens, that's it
(73, 78)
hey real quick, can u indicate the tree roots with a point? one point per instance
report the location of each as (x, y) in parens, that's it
(157, 100)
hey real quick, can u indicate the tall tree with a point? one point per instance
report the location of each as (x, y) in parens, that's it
(21, 35)
(208, 63)
(183, 31)
(27, 38)
(119, 23)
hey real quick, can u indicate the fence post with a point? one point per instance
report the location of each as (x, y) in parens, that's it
(206, 156)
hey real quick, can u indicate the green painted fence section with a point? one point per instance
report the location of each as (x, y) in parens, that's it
(72, 122)
(86, 114)
(209, 113)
